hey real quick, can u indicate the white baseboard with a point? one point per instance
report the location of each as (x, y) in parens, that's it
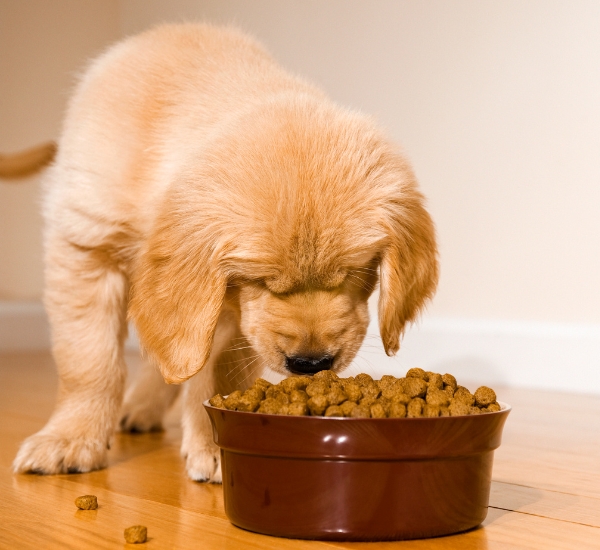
(23, 326)
(547, 356)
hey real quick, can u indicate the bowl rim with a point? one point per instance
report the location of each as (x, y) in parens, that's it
(321, 438)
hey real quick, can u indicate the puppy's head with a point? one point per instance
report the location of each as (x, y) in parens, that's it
(289, 220)
(307, 328)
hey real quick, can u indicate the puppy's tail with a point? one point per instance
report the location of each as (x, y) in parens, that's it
(28, 162)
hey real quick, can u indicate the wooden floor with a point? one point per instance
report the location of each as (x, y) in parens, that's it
(545, 493)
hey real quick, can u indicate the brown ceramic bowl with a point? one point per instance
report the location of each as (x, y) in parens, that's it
(354, 478)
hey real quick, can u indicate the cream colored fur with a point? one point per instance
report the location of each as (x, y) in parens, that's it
(235, 215)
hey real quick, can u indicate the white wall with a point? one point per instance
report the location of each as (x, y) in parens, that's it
(43, 44)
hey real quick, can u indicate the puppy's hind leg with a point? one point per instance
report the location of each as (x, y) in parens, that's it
(86, 304)
(147, 401)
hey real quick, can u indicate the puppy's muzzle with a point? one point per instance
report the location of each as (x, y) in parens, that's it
(308, 365)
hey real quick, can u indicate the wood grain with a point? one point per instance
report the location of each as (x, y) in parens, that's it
(545, 493)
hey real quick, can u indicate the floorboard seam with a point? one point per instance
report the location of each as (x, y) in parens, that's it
(543, 489)
(545, 517)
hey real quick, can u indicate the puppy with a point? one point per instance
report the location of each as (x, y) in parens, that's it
(236, 216)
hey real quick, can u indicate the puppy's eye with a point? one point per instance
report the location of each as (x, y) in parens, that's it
(285, 335)
(336, 279)
(278, 286)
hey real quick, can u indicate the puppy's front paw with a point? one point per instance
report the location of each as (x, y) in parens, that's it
(204, 465)
(50, 453)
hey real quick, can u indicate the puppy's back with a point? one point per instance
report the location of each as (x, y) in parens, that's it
(145, 106)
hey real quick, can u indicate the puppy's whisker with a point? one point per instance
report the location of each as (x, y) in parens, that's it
(354, 275)
(242, 364)
(239, 348)
(368, 363)
(253, 371)
(359, 277)
(247, 365)
(240, 345)
(360, 283)
(236, 361)
(238, 370)
(237, 341)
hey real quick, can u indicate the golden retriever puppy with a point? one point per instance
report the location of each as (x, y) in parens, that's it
(236, 216)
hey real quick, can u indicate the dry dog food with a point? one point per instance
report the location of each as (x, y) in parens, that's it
(418, 394)
(87, 502)
(136, 534)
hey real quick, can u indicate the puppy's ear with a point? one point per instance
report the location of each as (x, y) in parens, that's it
(408, 271)
(176, 298)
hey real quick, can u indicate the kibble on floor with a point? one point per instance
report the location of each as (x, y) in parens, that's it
(87, 502)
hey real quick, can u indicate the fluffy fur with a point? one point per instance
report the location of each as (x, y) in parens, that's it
(236, 215)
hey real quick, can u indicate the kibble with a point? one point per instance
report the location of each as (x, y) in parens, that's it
(297, 408)
(362, 379)
(435, 381)
(136, 534)
(419, 394)
(458, 408)
(464, 395)
(449, 380)
(431, 411)
(484, 396)
(377, 411)
(334, 410)
(371, 390)
(295, 383)
(397, 410)
(415, 407)
(317, 404)
(318, 387)
(415, 387)
(347, 407)
(416, 373)
(87, 502)
(298, 396)
(437, 398)
(217, 401)
(361, 411)
(353, 391)
(233, 400)
(336, 395)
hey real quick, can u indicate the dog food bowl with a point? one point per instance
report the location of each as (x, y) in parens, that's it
(355, 478)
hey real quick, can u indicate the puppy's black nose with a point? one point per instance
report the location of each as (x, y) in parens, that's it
(308, 365)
